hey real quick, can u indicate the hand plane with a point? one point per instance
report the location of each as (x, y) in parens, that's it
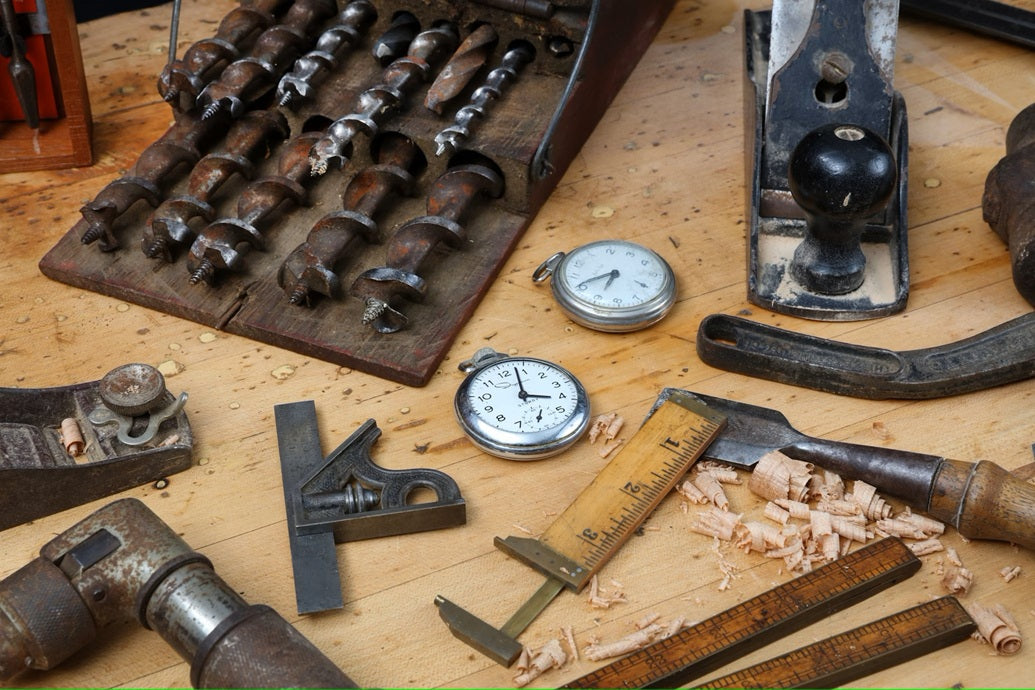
(62, 447)
(826, 185)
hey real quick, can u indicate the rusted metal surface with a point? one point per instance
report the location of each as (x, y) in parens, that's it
(470, 57)
(312, 265)
(394, 41)
(159, 166)
(222, 245)
(377, 104)
(452, 138)
(453, 193)
(248, 141)
(183, 79)
(39, 477)
(246, 80)
(122, 563)
(530, 128)
(1007, 201)
(312, 69)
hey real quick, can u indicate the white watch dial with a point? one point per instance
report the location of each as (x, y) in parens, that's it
(614, 275)
(611, 285)
(522, 395)
(520, 407)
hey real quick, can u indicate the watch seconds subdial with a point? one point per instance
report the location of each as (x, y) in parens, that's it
(523, 395)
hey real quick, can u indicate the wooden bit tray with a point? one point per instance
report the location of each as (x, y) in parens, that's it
(530, 134)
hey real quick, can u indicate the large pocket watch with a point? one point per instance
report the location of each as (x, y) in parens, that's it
(610, 285)
(520, 408)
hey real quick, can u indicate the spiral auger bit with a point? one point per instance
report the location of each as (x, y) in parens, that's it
(223, 244)
(375, 105)
(395, 40)
(312, 69)
(518, 54)
(311, 266)
(451, 197)
(465, 63)
(183, 79)
(248, 79)
(158, 167)
(247, 143)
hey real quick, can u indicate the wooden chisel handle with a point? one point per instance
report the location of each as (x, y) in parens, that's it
(984, 501)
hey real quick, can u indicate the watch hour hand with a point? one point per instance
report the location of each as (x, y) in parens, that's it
(610, 275)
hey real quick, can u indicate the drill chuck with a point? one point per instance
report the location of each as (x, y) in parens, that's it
(123, 563)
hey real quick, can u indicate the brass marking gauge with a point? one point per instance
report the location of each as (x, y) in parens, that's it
(789, 607)
(600, 519)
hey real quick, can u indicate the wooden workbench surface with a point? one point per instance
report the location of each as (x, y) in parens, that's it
(665, 166)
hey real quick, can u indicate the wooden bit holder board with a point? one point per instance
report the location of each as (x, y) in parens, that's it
(63, 140)
(543, 116)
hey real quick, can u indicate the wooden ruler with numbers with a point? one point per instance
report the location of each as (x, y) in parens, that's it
(600, 519)
(789, 607)
(625, 492)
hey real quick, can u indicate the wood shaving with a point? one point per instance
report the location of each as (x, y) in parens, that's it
(930, 526)
(957, 579)
(72, 437)
(873, 506)
(630, 643)
(830, 545)
(610, 447)
(569, 636)
(728, 569)
(687, 490)
(726, 475)
(648, 619)
(922, 548)
(1009, 574)
(799, 510)
(776, 513)
(550, 655)
(715, 522)
(709, 485)
(850, 529)
(839, 506)
(600, 599)
(606, 425)
(997, 627)
(820, 523)
(777, 476)
(910, 526)
(826, 486)
(759, 536)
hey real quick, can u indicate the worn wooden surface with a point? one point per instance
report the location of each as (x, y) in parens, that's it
(665, 167)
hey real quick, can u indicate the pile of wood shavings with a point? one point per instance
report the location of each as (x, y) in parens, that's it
(811, 517)
(606, 426)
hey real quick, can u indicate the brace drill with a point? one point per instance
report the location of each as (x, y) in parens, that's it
(122, 562)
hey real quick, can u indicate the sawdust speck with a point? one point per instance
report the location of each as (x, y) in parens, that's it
(283, 372)
(235, 405)
(123, 307)
(170, 367)
(932, 182)
(175, 347)
(22, 319)
(602, 212)
(208, 337)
